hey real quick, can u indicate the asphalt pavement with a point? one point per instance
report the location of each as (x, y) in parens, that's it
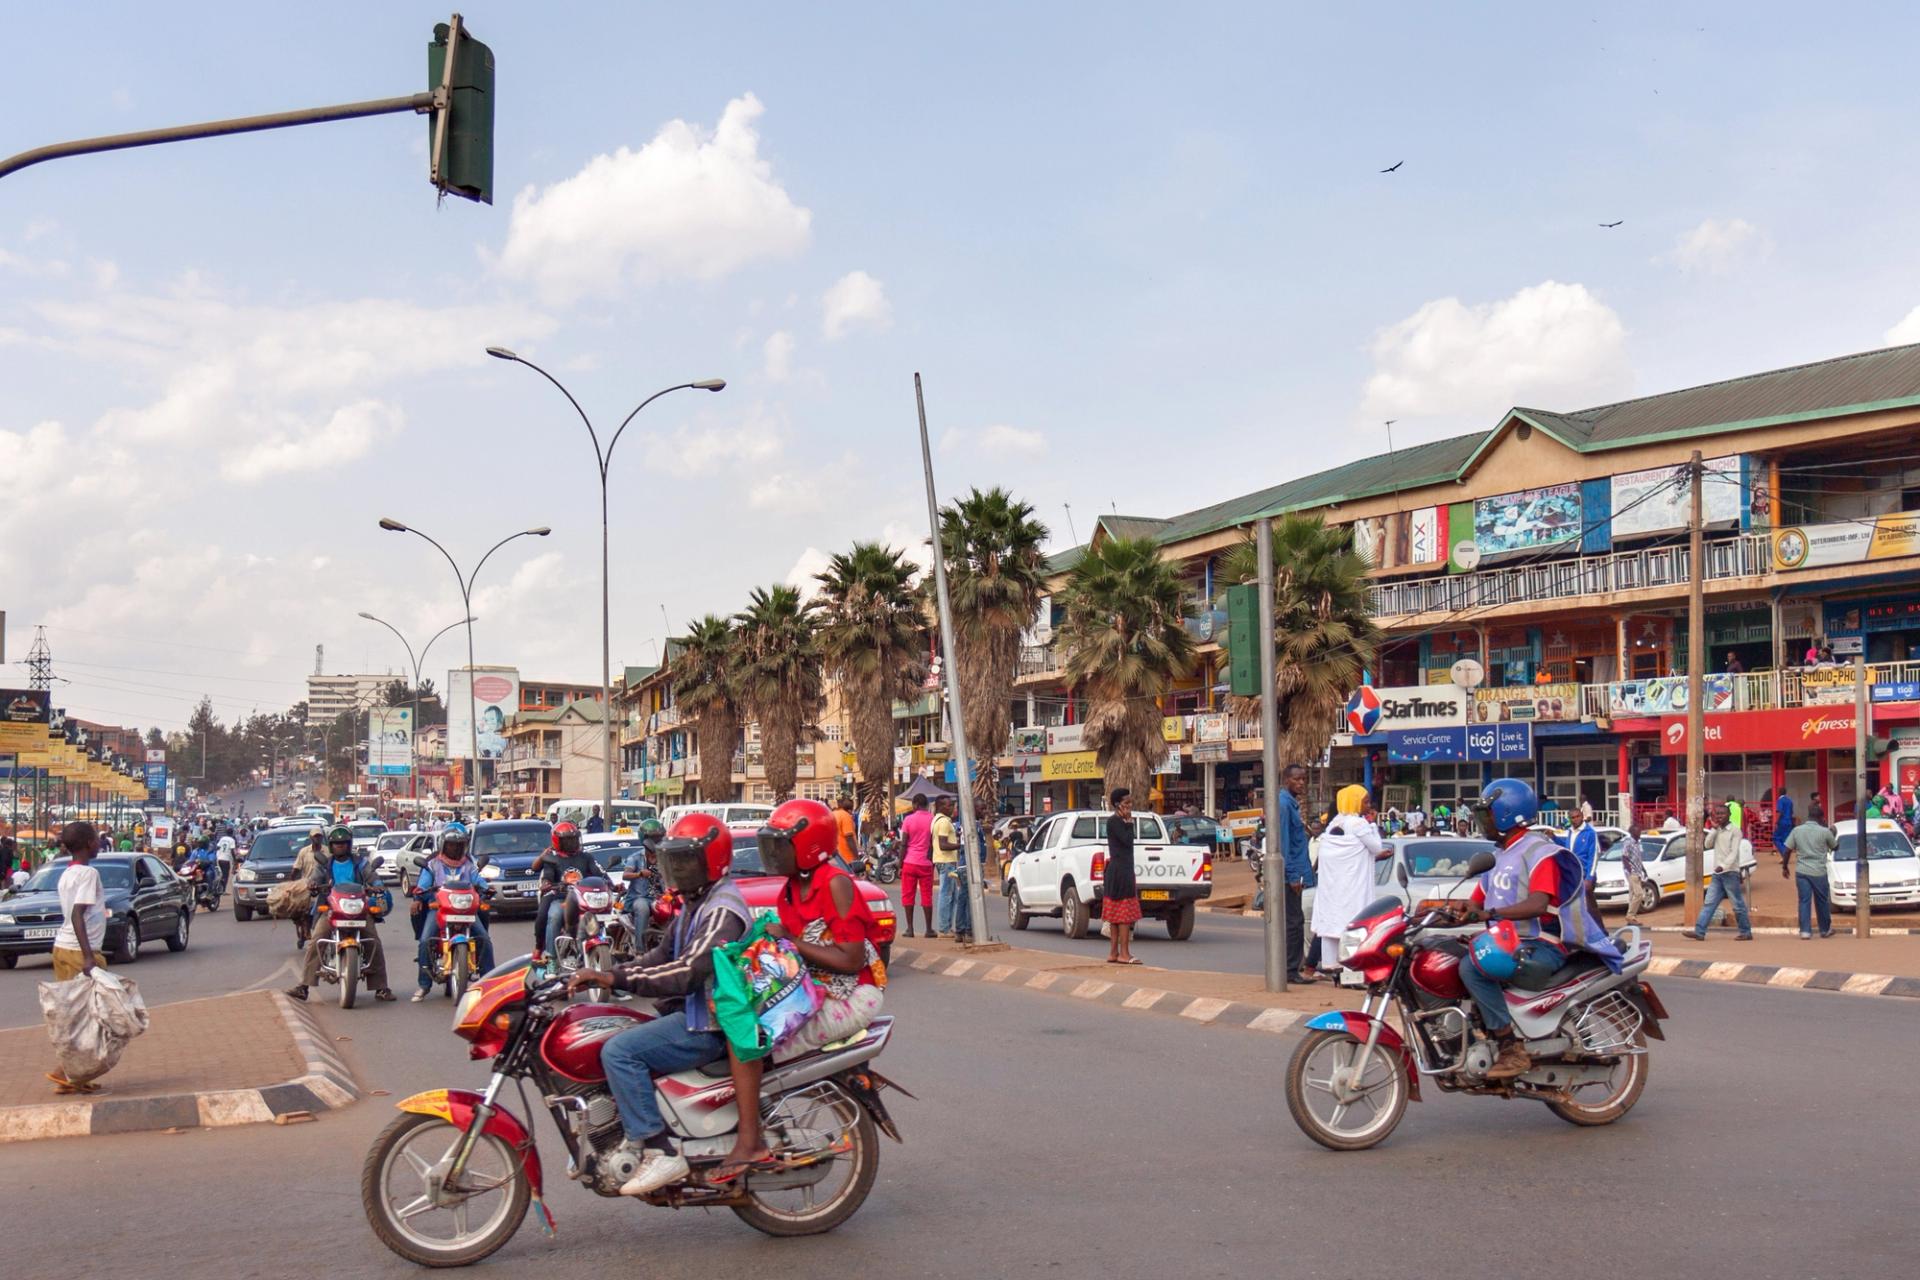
(1220, 943)
(1064, 1138)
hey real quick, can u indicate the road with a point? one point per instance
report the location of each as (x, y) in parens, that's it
(1220, 943)
(1058, 1137)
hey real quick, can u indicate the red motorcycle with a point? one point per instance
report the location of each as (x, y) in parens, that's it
(349, 912)
(455, 955)
(449, 1181)
(1585, 1027)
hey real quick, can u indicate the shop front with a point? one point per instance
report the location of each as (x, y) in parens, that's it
(1883, 628)
(1755, 756)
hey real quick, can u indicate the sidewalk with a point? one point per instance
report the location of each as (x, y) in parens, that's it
(239, 1059)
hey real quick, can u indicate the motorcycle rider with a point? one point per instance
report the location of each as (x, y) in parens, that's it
(451, 866)
(203, 859)
(695, 861)
(224, 851)
(642, 872)
(342, 867)
(556, 913)
(1541, 889)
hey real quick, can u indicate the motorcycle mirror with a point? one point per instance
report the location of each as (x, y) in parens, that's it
(1480, 863)
(484, 860)
(1400, 871)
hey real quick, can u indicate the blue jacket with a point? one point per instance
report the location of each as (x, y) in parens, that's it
(1586, 847)
(1783, 823)
(434, 873)
(1293, 843)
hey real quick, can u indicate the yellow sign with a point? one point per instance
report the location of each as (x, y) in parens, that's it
(1813, 546)
(1173, 728)
(1068, 766)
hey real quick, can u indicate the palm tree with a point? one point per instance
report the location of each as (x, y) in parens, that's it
(873, 639)
(704, 686)
(780, 681)
(995, 573)
(1123, 620)
(1324, 635)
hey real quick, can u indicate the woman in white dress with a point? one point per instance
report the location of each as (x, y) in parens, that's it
(1348, 849)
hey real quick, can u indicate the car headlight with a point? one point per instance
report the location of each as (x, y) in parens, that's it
(5, 918)
(248, 873)
(490, 873)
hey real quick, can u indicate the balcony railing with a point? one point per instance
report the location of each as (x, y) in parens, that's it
(1756, 690)
(517, 764)
(1736, 557)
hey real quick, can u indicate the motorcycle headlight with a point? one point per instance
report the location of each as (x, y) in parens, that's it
(465, 1006)
(352, 906)
(1350, 941)
(248, 873)
(490, 873)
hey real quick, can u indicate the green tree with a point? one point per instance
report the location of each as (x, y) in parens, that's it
(1324, 635)
(995, 573)
(873, 638)
(705, 687)
(1124, 627)
(781, 684)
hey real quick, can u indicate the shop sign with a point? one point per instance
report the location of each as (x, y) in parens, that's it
(1668, 693)
(1787, 729)
(1527, 519)
(1814, 546)
(1555, 702)
(1211, 752)
(1420, 706)
(1500, 742)
(1210, 726)
(1173, 728)
(1171, 763)
(1065, 738)
(1657, 501)
(1024, 769)
(1421, 746)
(1900, 691)
(1068, 766)
(1828, 685)
(1030, 740)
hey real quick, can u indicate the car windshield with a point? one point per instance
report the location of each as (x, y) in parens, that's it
(1650, 847)
(1436, 859)
(114, 875)
(1880, 844)
(746, 856)
(523, 838)
(363, 830)
(745, 813)
(281, 843)
(395, 840)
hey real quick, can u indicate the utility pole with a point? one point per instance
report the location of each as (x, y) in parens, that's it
(1276, 869)
(1862, 896)
(1696, 694)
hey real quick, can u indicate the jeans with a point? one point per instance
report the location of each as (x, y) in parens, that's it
(950, 914)
(1814, 897)
(430, 942)
(549, 921)
(1724, 885)
(1537, 958)
(373, 958)
(660, 1047)
(1296, 931)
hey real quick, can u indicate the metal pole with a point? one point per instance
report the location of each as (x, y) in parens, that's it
(1276, 863)
(950, 668)
(1696, 680)
(606, 666)
(1862, 895)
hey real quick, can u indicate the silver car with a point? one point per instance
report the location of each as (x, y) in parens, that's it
(1434, 866)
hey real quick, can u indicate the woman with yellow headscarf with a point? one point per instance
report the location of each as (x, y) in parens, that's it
(1348, 849)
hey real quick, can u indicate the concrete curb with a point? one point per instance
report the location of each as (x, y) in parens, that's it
(325, 1084)
(1777, 975)
(1787, 930)
(1202, 1010)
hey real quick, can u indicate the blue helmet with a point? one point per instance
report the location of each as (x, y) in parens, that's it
(1496, 951)
(454, 833)
(1506, 804)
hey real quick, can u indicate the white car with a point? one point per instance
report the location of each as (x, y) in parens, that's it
(1893, 868)
(397, 855)
(1663, 853)
(738, 817)
(1061, 869)
(366, 834)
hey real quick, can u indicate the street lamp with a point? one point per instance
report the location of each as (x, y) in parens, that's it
(466, 598)
(603, 459)
(413, 771)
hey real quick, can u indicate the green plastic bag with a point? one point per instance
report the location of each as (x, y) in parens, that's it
(762, 992)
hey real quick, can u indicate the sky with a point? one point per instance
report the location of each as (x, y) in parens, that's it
(1142, 255)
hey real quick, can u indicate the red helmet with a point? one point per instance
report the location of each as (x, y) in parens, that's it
(566, 837)
(799, 836)
(697, 851)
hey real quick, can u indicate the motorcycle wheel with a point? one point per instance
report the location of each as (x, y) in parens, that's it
(800, 1210)
(1344, 1126)
(458, 979)
(888, 872)
(398, 1190)
(1597, 1104)
(349, 961)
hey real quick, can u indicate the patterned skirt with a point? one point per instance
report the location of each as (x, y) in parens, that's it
(1120, 910)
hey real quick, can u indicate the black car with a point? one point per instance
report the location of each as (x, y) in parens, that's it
(511, 845)
(269, 862)
(146, 902)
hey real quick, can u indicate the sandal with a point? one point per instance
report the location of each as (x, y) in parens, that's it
(1129, 960)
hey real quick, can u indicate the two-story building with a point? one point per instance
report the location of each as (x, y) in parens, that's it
(552, 754)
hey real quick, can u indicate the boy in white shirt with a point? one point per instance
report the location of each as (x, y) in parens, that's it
(83, 923)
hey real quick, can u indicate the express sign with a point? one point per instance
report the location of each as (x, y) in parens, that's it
(1791, 729)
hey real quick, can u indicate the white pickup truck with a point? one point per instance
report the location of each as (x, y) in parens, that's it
(1061, 868)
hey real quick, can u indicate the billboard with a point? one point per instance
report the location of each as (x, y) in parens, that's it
(496, 699)
(1814, 546)
(390, 741)
(1420, 706)
(1657, 501)
(1526, 519)
(1663, 694)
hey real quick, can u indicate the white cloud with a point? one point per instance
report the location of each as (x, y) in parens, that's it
(999, 440)
(688, 205)
(1549, 345)
(1717, 246)
(779, 356)
(812, 562)
(709, 444)
(348, 435)
(1907, 331)
(854, 299)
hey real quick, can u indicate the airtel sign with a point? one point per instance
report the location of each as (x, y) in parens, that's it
(1790, 729)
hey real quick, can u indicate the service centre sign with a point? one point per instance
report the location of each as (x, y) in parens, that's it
(1789, 729)
(1421, 706)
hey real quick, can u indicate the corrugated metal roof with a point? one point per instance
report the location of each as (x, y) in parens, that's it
(1063, 561)
(1133, 526)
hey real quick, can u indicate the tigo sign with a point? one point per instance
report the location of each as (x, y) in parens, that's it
(1787, 729)
(1420, 706)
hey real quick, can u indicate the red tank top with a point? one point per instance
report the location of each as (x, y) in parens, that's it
(797, 912)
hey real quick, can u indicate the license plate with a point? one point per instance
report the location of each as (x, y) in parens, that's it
(1155, 895)
(349, 924)
(34, 935)
(458, 919)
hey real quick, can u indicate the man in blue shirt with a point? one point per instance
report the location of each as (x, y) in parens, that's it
(1298, 868)
(1584, 842)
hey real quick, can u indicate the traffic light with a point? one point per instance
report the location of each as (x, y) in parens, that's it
(460, 127)
(1243, 641)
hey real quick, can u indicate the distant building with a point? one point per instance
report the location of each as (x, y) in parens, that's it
(328, 696)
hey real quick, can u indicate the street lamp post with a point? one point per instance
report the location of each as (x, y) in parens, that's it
(603, 458)
(466, 599)
(413, 771)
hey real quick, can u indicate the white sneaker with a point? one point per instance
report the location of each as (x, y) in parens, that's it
(659, 1169)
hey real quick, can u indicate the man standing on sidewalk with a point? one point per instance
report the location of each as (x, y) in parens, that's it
(1296, 867)
(1809, 848)
(1729, 851)
(948, 886)
(83, 910)
(916, 864)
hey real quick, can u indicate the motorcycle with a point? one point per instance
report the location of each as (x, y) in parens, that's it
(880, 862)
(449, 1180)
(455, 956)
(348, 913)
(206, 894)
(1586, 1028)
(600, 930)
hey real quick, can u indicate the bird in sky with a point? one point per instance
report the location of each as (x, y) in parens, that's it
(1395, 165)
(1612, 224)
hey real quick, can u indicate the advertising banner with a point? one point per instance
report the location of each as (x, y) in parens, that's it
(1668, 693)
(1419, 706)
(496, 699)
(1030, 740)
(1787, 729)
(1065, 738)
(1211, 753)
(390, 741)
(1526, 519)
(1425, 541)
(1422, 746)
(1173, 728)
(1500, 742)
(1657, 501)
(1210, 726)
(26, 717)
(1525, 702)
(1069, 765)
(1814, 546)
(1170, 763)
(156, 781)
